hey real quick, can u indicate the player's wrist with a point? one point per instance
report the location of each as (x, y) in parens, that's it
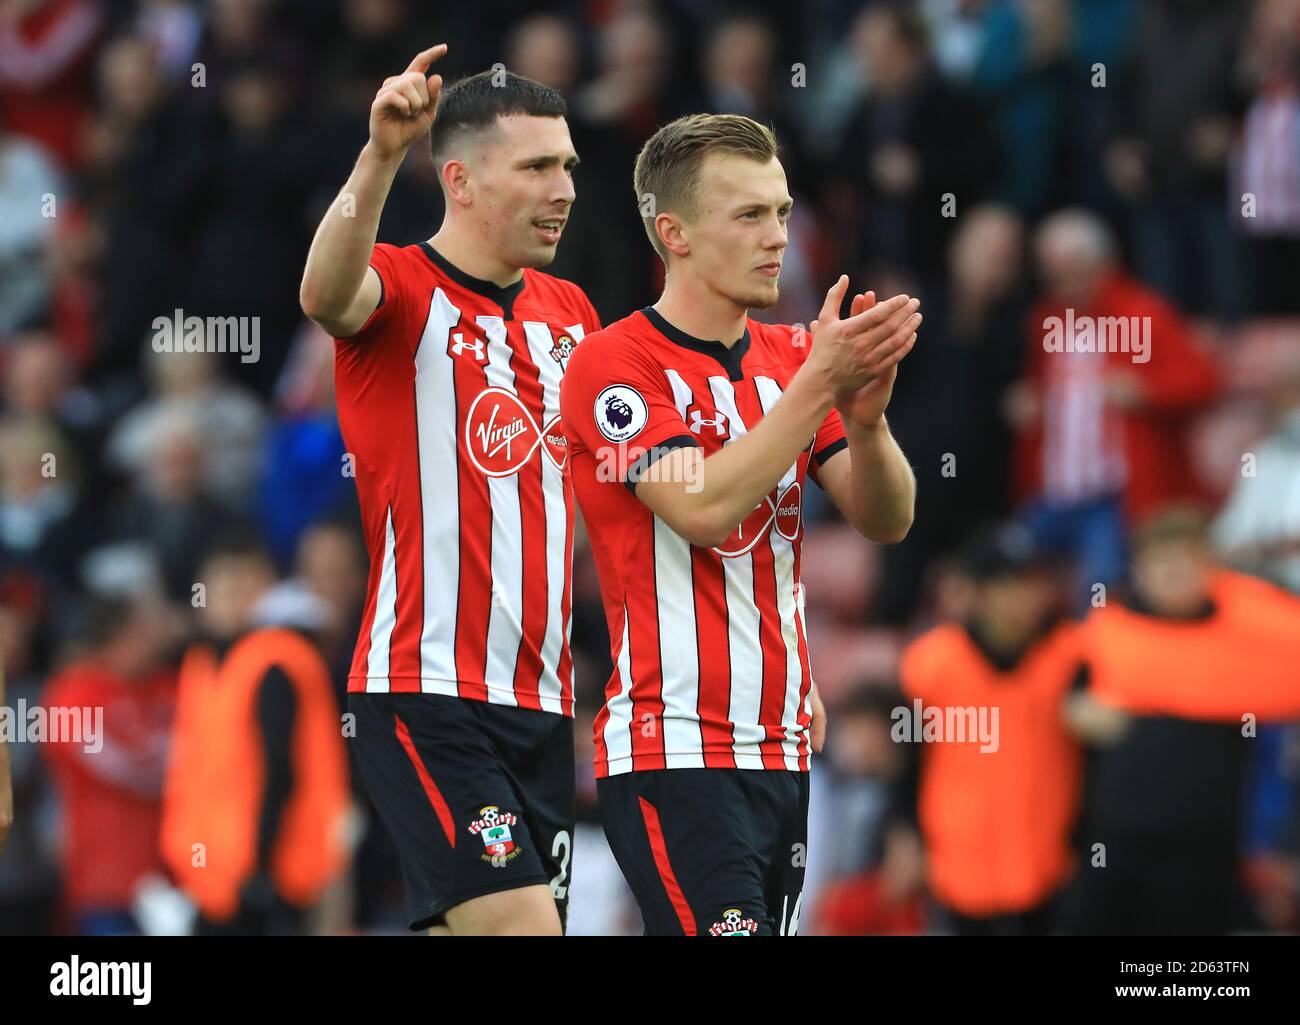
(380, 156)
(865, 429)
(813, 382)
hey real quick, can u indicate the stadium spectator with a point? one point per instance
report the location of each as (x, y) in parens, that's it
(139, 187)
(914, 140)
(169, 507)
(1111, 375)
(947, 408)
(173, 29)
(39, 385)
(45, 51)
(1026, 75)
(29, 883)
(1258, 530)
(1175, 681)
(307, 475)
(111, 791)
(256, 170)
(192, 385)
(30, 187)
(331, 564)
(1177, 110)
(1267, 160)
(45, 524)
(998, 799)
(865, 867)
(252, 817)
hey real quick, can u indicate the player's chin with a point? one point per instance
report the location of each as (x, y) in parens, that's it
(538, 256)
(763, 297)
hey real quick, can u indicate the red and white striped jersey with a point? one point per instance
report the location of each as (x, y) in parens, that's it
(449, 402)
(710, 655)
(1083, 435)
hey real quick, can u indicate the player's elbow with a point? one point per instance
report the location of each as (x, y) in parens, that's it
(324, 313)
(705, 536)
(888, 533)
(697, 524)
(310, 301)
(314, 300)
(705, 528)
(893, 537)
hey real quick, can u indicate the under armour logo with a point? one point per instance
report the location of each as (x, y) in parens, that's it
(459, 346)
(698, 422)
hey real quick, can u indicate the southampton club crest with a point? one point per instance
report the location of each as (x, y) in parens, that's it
(493, 825)
(562, 349)
(734, 923)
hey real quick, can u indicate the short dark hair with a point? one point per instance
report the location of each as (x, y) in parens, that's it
(668, 166)
(474, 103)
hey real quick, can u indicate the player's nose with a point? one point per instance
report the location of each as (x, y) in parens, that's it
(776, 239)
(564, 190)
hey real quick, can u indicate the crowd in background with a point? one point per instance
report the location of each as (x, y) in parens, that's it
(1005, 160)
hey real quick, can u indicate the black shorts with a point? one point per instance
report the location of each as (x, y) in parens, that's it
(478, 798)
(710, 852)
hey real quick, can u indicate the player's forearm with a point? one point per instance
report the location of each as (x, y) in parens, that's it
(340, 251)
(882, 488)
(733, 481)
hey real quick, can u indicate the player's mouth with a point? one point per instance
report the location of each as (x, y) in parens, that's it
(549, 228)
(770, 270)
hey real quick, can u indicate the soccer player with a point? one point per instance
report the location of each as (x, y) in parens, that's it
(692, 429)
(448, 362)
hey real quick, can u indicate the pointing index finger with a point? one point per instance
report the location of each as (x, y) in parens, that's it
(422, 60)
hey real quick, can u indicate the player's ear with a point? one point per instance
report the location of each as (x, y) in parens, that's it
(455, 182)
(672, 233)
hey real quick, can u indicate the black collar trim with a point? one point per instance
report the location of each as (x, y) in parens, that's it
(730, 357)
(503, 297)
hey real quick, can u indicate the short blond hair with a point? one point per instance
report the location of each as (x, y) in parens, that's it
(668, 166)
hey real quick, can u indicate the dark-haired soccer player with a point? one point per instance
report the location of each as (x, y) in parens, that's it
(449, 356)
(692, 429)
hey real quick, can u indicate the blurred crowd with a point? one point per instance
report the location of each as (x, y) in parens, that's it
(1086, 523)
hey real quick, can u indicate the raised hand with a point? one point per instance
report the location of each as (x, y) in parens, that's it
(865, 406)
(853, 352)
(406, 105)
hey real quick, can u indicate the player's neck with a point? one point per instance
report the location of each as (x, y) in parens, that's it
(702, 314)
(468, 254)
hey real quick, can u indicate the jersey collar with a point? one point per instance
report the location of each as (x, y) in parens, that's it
(503, 297)
(730, 358)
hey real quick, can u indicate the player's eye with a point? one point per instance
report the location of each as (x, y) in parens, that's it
(750, 213)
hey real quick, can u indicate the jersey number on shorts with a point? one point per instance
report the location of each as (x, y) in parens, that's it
(561, 847)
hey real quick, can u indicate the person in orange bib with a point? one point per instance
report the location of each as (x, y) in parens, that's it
(1178, 677)
(257, 786)
(999, 773)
